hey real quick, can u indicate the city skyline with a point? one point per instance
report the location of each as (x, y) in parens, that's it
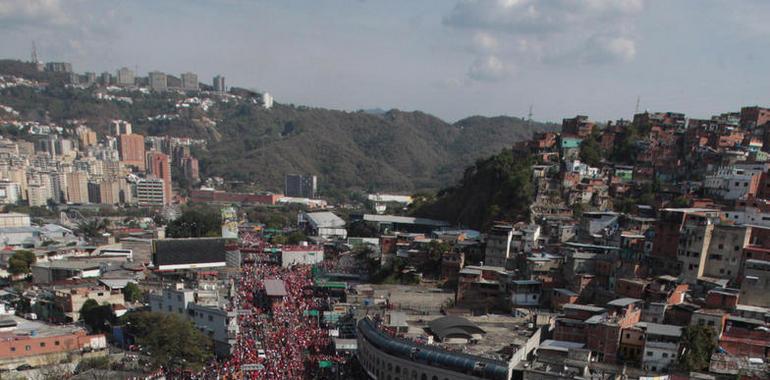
(452, 59)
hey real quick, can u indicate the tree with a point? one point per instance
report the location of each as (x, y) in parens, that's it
(195, 223)
(97, 317)
(590, 151)
(92, 228)
(699, 343)
(132, 292)
(20, 262)
(170, 340)
(296, 237)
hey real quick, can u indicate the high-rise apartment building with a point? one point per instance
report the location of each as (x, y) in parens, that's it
(9, 192)
(125, 77)
(86, 136)
(158, 81)
(159, 166)
(189, 81)
(120, 127)
(303, 186)
(149, 192)
(219, 83)
(190, 168)
(131, 149)
(76, 187)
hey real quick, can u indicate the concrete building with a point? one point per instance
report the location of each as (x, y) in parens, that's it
(219, 83)
(189, 81)
(120, 127)
(190, 169)
(661, 346)
(132, 152)
(36, 344)
(150, 192)
(86, 136)
(70, 301)
(52, 271)
(159, 166)
(38, 194)
(322, 224)
(77, 187)
(10, 192)
(14, 219)
(302, 186)
(732, 183)
(498, 245)
(694, 245)
(754, 287)
(267, 100)
(125, 77)
(158, 81)
(58, 67)
(209, 317)
(725, 251)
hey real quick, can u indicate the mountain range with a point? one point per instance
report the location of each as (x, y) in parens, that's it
(390, 151)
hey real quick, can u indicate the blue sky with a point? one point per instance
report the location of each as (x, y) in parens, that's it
(451, 58)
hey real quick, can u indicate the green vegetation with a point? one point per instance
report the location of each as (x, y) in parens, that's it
(496, 188)
(21, 262)
(92, 228)
(699, 343)
(590, 150)
(293, 238)
(196, 223)
(393, 151)
(132, 293)
(97, 317)
(169, 340)
(99, 362)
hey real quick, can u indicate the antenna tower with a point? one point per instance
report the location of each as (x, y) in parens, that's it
(33, 58)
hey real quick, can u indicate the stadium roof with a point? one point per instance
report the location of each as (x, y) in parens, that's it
(404, 220)
(452, 326)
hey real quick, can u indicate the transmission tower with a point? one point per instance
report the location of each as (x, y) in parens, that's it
(636, 110)
(529, 116)
(33, 58)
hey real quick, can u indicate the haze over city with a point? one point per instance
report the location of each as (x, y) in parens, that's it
(449, 58)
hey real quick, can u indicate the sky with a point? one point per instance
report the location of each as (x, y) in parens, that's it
(450, 58)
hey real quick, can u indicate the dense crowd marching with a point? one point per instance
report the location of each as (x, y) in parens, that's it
(278, 336)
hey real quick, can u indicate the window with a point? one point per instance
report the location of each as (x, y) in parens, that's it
(649, 353)
(56, 343)
(42, 344)
(13, 349)
(27, 348)
(211, 318)
(665, 355)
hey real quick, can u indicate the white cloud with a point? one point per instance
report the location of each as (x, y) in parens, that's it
(604, 49)
(485, 42)
(556, 31)
(488, 69)
(33, 12)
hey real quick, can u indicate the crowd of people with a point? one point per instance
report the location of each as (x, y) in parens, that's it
(278, 338)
